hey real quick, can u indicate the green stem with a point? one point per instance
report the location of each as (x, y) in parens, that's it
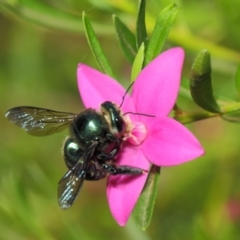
(230, 107)
(189, 117)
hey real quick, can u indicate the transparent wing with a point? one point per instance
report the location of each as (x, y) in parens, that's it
(70, 185)
(39, 121)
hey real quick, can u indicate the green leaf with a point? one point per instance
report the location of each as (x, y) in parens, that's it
(96, 48)
(138, 63)
(200, 82)
(237, 78)
(160, 32)
(144, 207)
(126, 38)
(141, 31)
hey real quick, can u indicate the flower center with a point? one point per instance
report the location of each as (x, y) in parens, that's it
(135, 132)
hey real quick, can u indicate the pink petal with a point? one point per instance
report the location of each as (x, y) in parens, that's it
(156, 87)
(96, 88)
(170, 143)
(123, 191)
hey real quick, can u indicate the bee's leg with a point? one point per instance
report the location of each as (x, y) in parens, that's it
(107, 156)
(116, 145)
(113, 138)
(95, 172)
(126, 170)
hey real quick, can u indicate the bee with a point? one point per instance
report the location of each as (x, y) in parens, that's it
(89, 152)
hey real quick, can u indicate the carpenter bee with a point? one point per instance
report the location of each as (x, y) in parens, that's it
(90, 150)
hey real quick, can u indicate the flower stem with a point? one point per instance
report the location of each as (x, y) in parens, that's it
(185, 117)
(188, 117)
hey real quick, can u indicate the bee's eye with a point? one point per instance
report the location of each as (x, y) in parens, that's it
(120, 124)
(113, 115)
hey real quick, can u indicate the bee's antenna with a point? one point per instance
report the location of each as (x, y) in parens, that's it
(126, 94)
(142, 114)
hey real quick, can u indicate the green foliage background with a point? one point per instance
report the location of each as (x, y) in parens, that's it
(40, 47)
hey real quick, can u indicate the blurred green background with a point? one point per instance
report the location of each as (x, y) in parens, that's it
(41, 43)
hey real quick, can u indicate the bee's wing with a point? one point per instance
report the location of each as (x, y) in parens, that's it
(39, 121)
(70, 185)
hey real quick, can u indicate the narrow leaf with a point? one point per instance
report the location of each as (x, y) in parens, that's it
(138, 63)
(141, 26)
(237, 78)
(144, 207)
(96, 48)
(200, 83)
(126, 38)
(160, 32)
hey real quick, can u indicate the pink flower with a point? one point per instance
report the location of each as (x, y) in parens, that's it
(162, 140)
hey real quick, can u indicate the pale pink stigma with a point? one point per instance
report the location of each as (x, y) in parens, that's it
(135, 133)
